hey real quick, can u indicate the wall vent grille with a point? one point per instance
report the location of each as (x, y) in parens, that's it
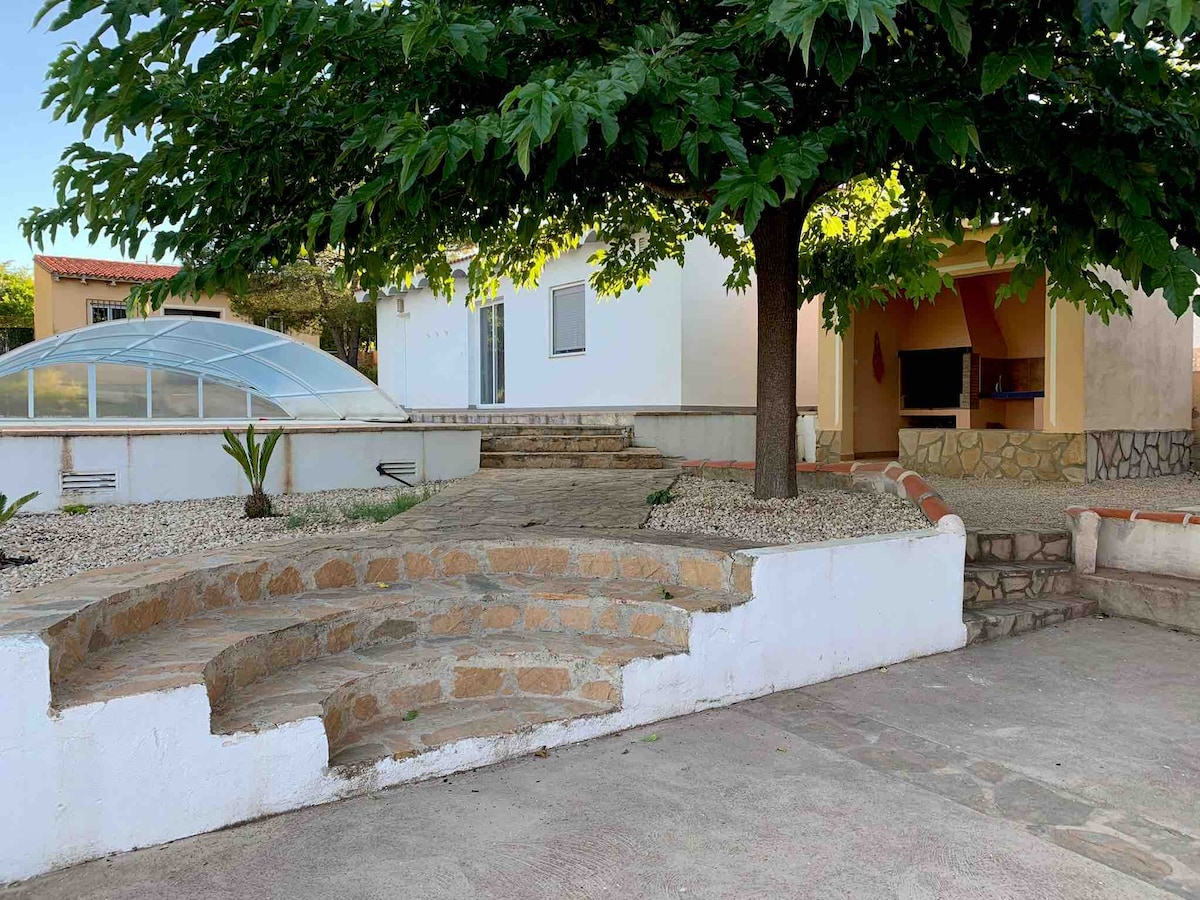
(88, 482)
(403, 468)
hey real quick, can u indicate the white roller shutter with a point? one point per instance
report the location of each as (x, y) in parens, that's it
(568, 320)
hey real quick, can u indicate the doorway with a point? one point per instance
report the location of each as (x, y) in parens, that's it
(491, 354)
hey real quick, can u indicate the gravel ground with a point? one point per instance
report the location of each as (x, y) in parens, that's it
(730, 510)
(113, 535)
(988, 502)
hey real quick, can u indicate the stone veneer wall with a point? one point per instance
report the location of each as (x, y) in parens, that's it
(1137, 454)
(994, 453)
(829, 446)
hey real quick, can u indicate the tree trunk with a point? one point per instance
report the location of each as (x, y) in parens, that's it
(776, 241)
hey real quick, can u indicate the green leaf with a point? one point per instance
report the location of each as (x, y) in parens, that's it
(345, 210)
(841, 62)
(1179, 285)
(998, 68)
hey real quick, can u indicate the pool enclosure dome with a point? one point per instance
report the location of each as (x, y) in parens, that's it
(184, 368)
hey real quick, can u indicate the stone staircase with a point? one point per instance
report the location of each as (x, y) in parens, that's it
(564, 447)
(1019, 581)
(445, 643)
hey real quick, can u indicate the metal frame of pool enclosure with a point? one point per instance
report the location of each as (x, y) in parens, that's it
(131, 411)
(183, 368)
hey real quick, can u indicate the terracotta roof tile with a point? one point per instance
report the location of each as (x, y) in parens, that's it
(103, 269)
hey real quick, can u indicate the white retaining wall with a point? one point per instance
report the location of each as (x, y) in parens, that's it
(106, 777)
(714, 435)
(189, 464)
(1143, 545)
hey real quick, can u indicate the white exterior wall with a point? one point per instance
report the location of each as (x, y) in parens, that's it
(633, 347)
(720, 337)
(682, 341)
(1143, 545)
(139, 770)
(423, 353)
(190, 465)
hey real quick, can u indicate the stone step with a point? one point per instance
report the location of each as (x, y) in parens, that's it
(1009, 619)
(361, 691)
(1158, 599)
(631, 458)
(990, 583)
(1009, 545)
(555, 431)
(402, 736)
(233, 646)
(555, 443)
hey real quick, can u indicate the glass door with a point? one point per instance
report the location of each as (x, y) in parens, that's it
(491, 354)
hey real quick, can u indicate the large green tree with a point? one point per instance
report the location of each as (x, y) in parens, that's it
(777, 129)
(16, 296)
(310, 294)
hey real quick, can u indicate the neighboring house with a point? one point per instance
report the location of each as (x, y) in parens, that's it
(70, 292)
(681, 343)
(1020, 390)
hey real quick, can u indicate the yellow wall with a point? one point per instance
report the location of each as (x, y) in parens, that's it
(1064, 368)
(63, 305)
(877, 403)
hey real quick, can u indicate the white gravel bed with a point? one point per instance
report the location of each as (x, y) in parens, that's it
(729, 509)
(1000, 502)
(64, 545)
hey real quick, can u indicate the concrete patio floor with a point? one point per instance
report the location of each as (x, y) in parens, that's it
(1065, 764)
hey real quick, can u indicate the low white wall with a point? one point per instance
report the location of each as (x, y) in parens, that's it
(140, 770)
(714, 435)
(1161, 548)
(190, 464)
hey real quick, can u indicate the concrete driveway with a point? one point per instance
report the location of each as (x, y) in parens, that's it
(1062, 764)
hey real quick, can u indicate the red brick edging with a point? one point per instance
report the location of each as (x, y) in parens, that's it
(1137, 515)
(907, 484)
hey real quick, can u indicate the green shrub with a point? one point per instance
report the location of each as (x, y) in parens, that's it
(254, 459)
(76, 509)
(658, 498)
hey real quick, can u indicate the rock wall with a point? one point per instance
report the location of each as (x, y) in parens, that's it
(829, 446)
(1137, 454)
(994, 453)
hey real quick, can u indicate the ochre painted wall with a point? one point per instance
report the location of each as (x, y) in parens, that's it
(66, 302)
(63, 305)
(877, 403)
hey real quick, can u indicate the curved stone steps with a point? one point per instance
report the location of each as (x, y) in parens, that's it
(233, 646)
(366, 689)
(445, 723)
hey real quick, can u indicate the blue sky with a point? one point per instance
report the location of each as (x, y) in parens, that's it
(30, 141)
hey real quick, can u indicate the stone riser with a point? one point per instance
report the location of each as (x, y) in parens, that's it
(389, 695)
(1158, 600)
(557, 443)
(1019, 546)
(257, 657)
(990, 587)
(569, 461)
(100, 621)
(994, 622)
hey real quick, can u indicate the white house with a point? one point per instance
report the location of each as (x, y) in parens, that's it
(681, 343)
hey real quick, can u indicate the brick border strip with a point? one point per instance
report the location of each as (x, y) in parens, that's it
(889, 477)
(1137, 515)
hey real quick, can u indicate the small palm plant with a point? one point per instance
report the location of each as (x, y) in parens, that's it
(7, 511)
(254, 459)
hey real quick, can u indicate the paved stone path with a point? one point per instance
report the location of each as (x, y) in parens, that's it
(1061, 764)
(997, 502)
(557, 498)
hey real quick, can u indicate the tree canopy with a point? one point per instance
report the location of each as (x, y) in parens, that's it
(16, 296)
(310, 295)
(826, 143)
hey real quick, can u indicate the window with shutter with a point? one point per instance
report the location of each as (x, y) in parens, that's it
(568, 320)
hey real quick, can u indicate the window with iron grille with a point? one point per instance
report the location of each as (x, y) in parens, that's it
(107, 311)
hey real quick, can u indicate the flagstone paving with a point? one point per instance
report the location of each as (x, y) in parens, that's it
(1060, 764)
